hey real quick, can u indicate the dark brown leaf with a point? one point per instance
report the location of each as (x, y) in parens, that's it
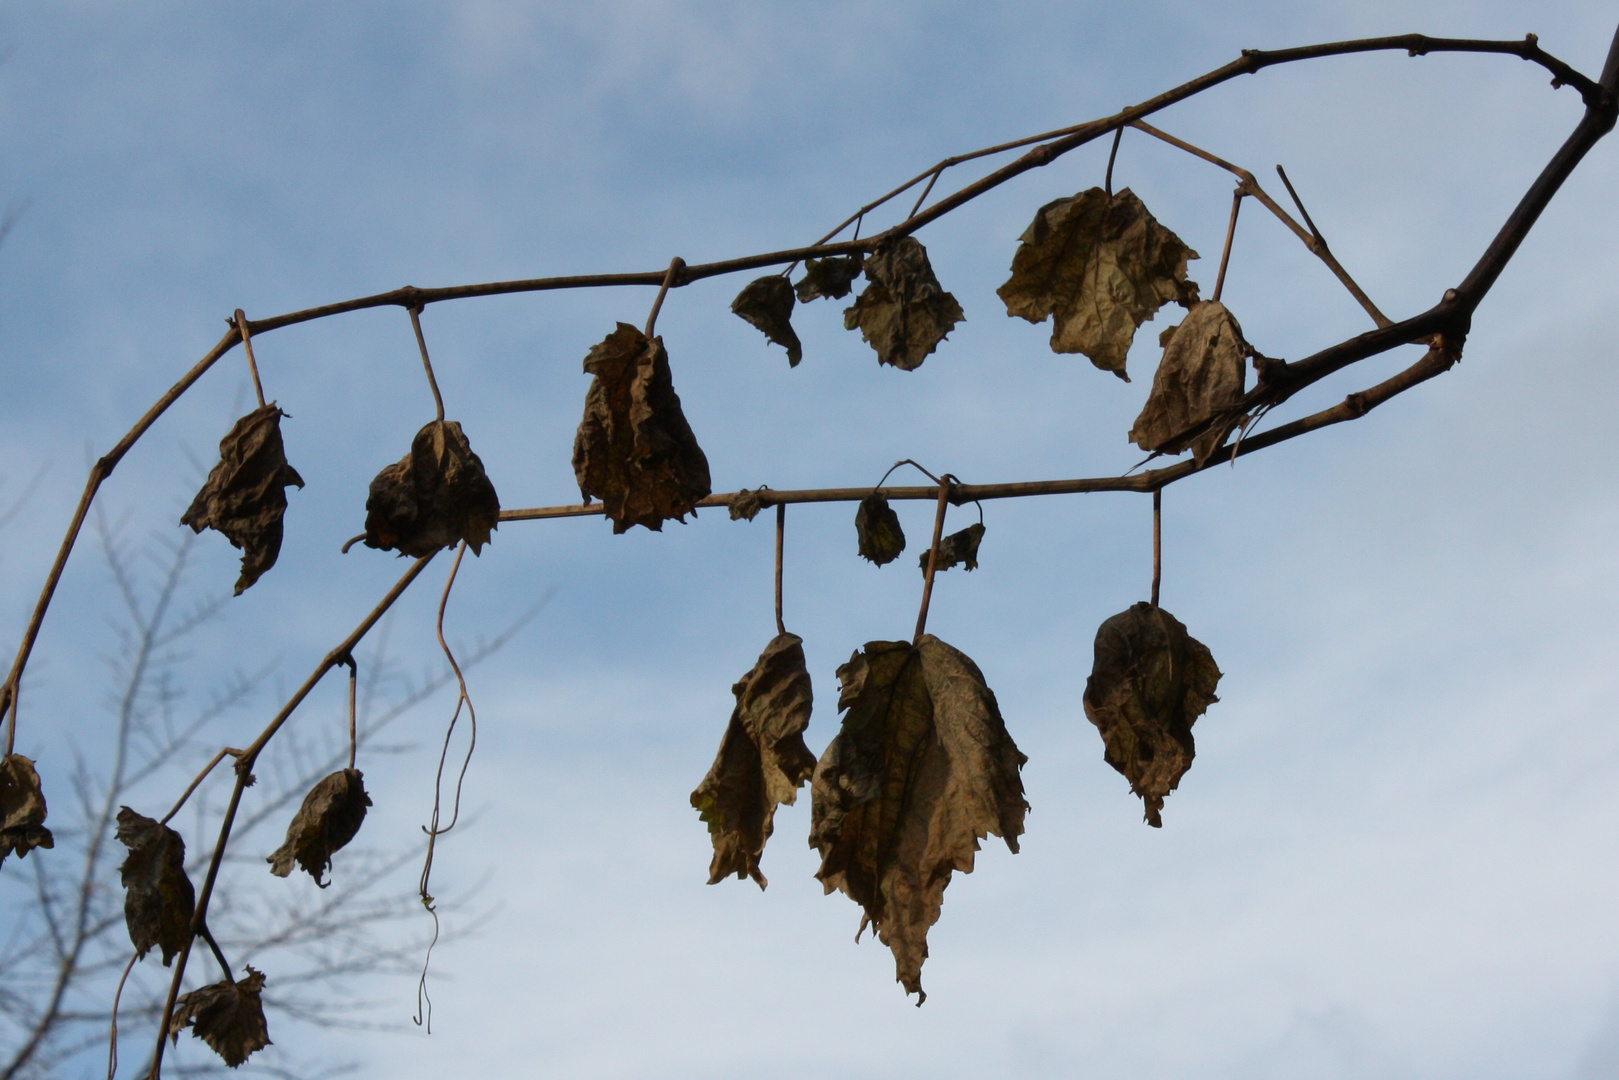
(877, 526)
(921, 771)
(904, 313)
(1201, 375)
(634, 450)
(831, 278)
(957, 548)
(159, 900)
(1150, 683)
(328, 819)
(767, 303)
(245, 495)
(22, 808)
(762, 759)
(745, 505)
(1102, 266)
(432, 498)
(229, 1017)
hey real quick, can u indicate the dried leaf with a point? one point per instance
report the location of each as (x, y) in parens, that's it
(1151, 682)
(159, 900)
(745, 505)
(328, 819)
(831, 278)
(904, 313)
(1102, 266)
(22, 808)
(245, 495)
(877, 526)
(432, 498)
(1201, 375)
(922, 769)
(229, 1017)
(634, 449)
(761, 762)
(957, 548)
(767, 303)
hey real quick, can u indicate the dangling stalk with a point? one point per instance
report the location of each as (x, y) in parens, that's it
(676, 265)
(354, 733)
(421, 342)
(933, 557)
(1157, 541)
(781, 532)
(1231, 231)
(247, 347)
(1118, 134)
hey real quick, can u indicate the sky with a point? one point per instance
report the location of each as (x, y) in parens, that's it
(1394, 855)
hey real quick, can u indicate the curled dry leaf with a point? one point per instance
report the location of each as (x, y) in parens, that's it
(745, 505)
(877, 526)
(22, 808)
(328, 819)
(921, 771)
(229, 1017)
(158, 898)
(831, 278)
(432, 498)
(958, 548)
(1150, 683)
(767, 303)
(1102, 266)
(904, 313)
(245, 495)
(634, 450)
(761, 762)
(1202, 375)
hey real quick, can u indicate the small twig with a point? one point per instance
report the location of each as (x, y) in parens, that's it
(670, 277)
(1157, 541)
(247, 347)
(112, 1035)
(922, 198)
(1230, 233)
(781, 534)
(427, 363)
(912, 464)
(1118, 134)
(933, 557)
(1303, 213)
(200, 777)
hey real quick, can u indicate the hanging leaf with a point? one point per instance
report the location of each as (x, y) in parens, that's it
(767, 303)
(762, 760)
(1102, 266)
(22, 808)
(1201, 375)
(745, 505)
(904, 313)
(432, 498)
(328, 819)
(831, 278)
(877, 526)
(957, 548)
(158, 898)
(921, 771)
(1151, 682)
(229, 1017)
(634, 449)
(245, 495)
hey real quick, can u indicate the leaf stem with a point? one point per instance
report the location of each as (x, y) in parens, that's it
(1230, 233)
(1107, 184)
(427, 363)
(672, 276)
(1157, 541)
(198, 779)
(247, 347)
(933, 557)
(781, 533)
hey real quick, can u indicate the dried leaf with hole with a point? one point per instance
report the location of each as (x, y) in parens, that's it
(921, 771)
(904, 312)
(1150, 683)
(1102, 266)
(957, 548)
(767, 303)
(245, 495)
(328, 819)
(745, 505)
(634, 450)
(158, 898)
(22, 808)
(229, 1017)
(762, 759)
(1202, 375)
(831, 278)
(877, 527)
(432, 498)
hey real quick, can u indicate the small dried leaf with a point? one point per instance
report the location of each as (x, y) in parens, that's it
(245, 495)
(745, 505)
(1102, 266)
(957, 548)
(22, 808)
(831, 278)
(876, 524)
(767, 303)
(1150, 683)
(762, 759)
(634, 449)
(229, 1017)
(328, 819)
(904, 313)
(159, 900)
(921, 771)
(1202, 375)
(432, 498)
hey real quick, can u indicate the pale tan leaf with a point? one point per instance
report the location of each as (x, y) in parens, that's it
(1202, 375)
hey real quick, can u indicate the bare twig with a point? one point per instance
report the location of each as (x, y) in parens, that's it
(198, 779)
(1230, 234)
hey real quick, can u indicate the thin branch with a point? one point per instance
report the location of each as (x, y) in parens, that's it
(198, 779)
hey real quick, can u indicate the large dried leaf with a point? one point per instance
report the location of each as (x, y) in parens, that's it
(432, 498)
(831, 278)
(957, 548)
(1102, 266)
(229, 1017)
(904, 313)
(761, 762)
(328, 819)
(245, 495)
(22, 808)
(1201, 375)
(877, 527)
(1150, 683)
(158, 898)
(767, 303)
(921, 771)
(634, 450)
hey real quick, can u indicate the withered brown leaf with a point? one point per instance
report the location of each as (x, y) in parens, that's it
(958, 548)
(921, 771)
(1202, 374)
(245, 495)
(159, 900)
(767, 303)
(745, 505)
(1150, 683)
(831, 278)
(229, 1017)
(22, 808)
(1102, 266)
(904, 312)
(634, 450)
(328, 819)
(761, 762)
(877, 526)
(432, 498)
